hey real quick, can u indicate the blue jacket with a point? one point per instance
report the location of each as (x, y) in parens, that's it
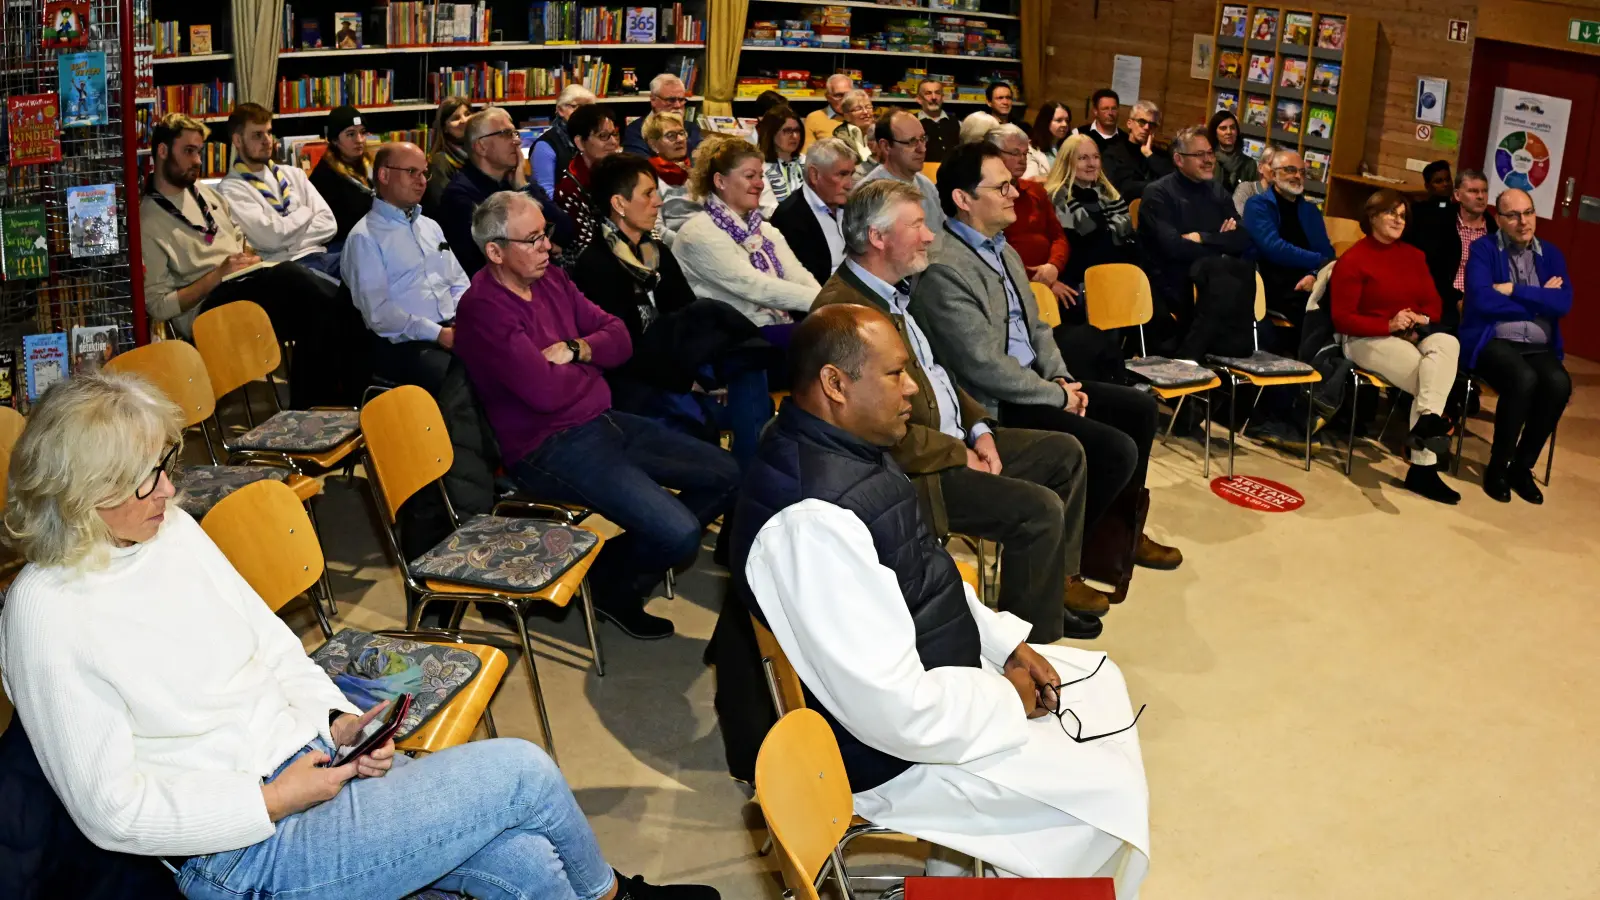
(633, 137)
(1484, 307)
(1262, 221)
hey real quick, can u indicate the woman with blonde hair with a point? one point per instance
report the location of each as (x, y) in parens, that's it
(668, 139)
(175, 716)
(1091, 212)
(447, 147)
(856, 110)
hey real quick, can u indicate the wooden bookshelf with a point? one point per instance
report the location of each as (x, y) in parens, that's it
(1267, 40)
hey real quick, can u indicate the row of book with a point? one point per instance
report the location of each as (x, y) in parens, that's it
(499, 81)
(364, 87)
(1297, 27)
(1291, 116)
(1259, 70)
(412, 23)
(569, 22)
(306, 150)
(46, 358)
(207, 98)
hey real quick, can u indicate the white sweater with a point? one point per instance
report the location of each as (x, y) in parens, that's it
(720, 269)
(306, 228)
(158, 692)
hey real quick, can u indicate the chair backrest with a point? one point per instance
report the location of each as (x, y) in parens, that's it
(1339, 247)
(406, 443)
(931, 169)
(784, 680)
(238, 344)
(11, 425)
(177, 369)
(1049, 307)
(264, 531)
(1261, 298)
(1116, 295)
(804, 795)
(1342, 229)
(1133, 213)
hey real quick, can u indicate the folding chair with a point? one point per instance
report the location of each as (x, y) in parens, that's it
(268, 538)
(512, 562)
(1117, 295)
(1358, 377)
(1461, 434)
(1133, 213)
(1049, 306)
(1341, 230)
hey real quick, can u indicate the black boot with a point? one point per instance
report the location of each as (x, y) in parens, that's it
(1521, 481)
(1495, 483)
(636, 888)
(1432, 432)
(1425, 480)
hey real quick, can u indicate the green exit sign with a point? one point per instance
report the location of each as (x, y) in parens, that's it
(1582, 32)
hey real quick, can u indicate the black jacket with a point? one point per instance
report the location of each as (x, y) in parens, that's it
(799, 225)
(1432, 229)
(1100, 141)
(1129, 170)
(802, 457)
(1174, 206)
(471, 187)
(348, 200)
(943, 136)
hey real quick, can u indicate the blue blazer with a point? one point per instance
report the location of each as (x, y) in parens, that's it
(1264, 225)
(1484, 307)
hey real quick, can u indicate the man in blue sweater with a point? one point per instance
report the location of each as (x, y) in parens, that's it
(1290, 243)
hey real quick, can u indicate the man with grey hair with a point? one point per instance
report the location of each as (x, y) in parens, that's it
(494, 163)
(1262, 184)
(901, 147)
(1290, 241)
(809, 218)
(820, 123)
(537, 351)
(952, 449)
(1134, 162)
(1444, 231)
(667, 94)
(941, 128)
(554, 149)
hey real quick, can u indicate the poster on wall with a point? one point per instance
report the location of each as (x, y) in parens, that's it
(1200, 54)
(1125, 72)
(1527, 134)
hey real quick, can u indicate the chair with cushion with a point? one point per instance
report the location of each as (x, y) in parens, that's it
(1117, 295)
(268, 538)
(1341, 230)
(1339, 247)
(510, 562)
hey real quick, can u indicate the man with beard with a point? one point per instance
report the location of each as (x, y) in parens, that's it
(197, 258)
(1291, 243)
(281, 214)
(943, 132)
(901, 146)
(344, 174)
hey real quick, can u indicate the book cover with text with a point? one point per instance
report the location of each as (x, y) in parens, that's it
(347, 31)
(1233, 22)
(1227, 100)
(93, 346)
(641, 25)
(199, 40)
(66, 24)
(1319, 122)
(310, 34)
(92, 220)
(1255, 111)
(1229, 64)
(1330, 33)
(1265, 27)
(82, 83)
(1297, 29)
(23, 243)
(8, 378)
(44, 361)
(1294, 74)
(1260, 68)
(1325, 77)
(33, 122)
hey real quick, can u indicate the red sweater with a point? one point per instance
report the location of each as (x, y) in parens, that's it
(1036, 235)
(1372, 281)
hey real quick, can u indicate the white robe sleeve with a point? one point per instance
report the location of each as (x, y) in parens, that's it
(1000, 632)
(840, 617)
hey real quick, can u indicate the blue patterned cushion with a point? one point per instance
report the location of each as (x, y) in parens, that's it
(202, 487)
(505, 554)
(1169, 373)
(1263, 364)
(302, 431)
(371, 668)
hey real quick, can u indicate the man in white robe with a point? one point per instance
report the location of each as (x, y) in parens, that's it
(991, 774)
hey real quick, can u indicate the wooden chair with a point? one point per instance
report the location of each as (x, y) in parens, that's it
(1117, 295)
(1133, 213)
(268, 538)
(408, 450)
(1049, 307)
(1339, 247)
(1341, 230)
(239, 346)
(1237, 376)
(931, 169)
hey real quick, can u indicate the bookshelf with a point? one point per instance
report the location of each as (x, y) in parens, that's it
(886, 46)
(1297, 77)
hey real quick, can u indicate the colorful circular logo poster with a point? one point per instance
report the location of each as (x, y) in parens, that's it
(1522, 160)
(1258, 494)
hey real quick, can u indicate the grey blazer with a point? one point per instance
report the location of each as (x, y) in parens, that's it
(960, 302)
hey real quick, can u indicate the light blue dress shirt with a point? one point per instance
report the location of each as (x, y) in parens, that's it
(944, 389)
(1019, 344)
(401, 273)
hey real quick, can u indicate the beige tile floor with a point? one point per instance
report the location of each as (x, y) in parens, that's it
(1374, 696)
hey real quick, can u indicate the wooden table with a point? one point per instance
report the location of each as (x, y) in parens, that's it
(1010, 889)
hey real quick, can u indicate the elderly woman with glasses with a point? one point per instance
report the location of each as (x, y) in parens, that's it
(856, 110)
(175, 716)
(669, 146)
(1384, 309)
(594, 132)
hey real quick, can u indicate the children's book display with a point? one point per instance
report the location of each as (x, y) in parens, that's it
(93, 346)
(33, 122)
(23, 247)
(82, 84)
(44, 360)
(92, 219)
(66, 24)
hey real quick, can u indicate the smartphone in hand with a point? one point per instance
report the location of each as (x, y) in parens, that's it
(385, 729)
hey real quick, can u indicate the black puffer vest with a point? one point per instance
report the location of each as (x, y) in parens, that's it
(802, 458)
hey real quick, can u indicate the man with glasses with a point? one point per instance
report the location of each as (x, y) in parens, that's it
(344, 174)
(494, 163)
(928, 692)
(901, 147)
(1134, 161)
(537, 351)
(943, 131)
(1517, 293)
(281, 214)
(1290, 241)
(667, 94)
(821, 123)
(979, 314)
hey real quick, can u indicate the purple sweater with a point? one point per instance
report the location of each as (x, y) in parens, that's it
(500, 337)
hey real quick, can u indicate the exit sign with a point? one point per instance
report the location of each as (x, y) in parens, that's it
(1580, 31)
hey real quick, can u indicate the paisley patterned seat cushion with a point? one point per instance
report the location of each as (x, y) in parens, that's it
(302, 431)
(1264, 365)
(371, 668)
(1169, 373)
(505, 554)
(202, 487)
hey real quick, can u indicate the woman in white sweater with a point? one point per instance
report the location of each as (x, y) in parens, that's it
(176, 716)
(728, 253)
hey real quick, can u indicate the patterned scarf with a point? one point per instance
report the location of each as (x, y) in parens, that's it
(642, 265)
(762, 254)
(454, 155)
(786, 177)
(361, 178)
(280, 199)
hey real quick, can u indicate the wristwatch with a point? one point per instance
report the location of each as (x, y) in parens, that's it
(577, 350)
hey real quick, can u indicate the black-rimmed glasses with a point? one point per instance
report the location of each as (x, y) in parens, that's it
(918, 141)
(502, 133)
(1077, 733)
(154, 478)
(533, 241)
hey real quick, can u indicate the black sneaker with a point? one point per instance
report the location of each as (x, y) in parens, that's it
(1425, 480)
(634, 621)
(1080, 626)
(636, 888)
(1432, 432)
(1521, 481)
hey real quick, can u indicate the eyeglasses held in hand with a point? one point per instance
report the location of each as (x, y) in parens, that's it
(1077, 733)
(148, 486)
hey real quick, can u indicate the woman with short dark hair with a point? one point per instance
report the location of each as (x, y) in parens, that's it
(595, 132)
(781, 135)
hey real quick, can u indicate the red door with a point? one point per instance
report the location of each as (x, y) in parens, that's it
(1574, 223)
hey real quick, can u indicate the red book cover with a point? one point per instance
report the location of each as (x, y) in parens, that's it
(66, 24)
(34, 122)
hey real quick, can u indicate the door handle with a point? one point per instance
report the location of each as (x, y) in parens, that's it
(1566, 199)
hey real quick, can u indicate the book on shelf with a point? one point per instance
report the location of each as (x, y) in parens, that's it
(1297, 29)
(364, 87)
(1260, 68)
(1330, 33)
(1325, 77)
(1233, 22)
(1254, 147)
(1319, 122)
(411, 23)
(8, 378)
(212, 98)
(1229, 64)
(66, 24)
(44, 361)
(1316, 165)
(347, 31)
(167, 38)
(199, 40)
(23, 249)
(82, 83)
(33, 122)
(144, 75)
(640, 27)
(1228, 100)
(568, 22)
(1265, 26)
(1288, 118)
(1294, 74)
(92, 220)
(310, 34)
(1255, 110)
(92, 347)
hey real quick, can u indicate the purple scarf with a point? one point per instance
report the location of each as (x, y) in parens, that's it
(762, 254)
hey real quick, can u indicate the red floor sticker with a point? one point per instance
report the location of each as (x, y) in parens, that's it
(1258, 494)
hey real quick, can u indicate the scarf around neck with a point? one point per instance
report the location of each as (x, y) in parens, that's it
(274, 187)
(642, 263)
(763, 255)
(361, 178)
(672, 173)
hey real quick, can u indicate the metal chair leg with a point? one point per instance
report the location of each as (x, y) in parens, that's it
(316, 607)
(533, 682)
(1233, 391)
(1207, 474)
(1461, 433)
(488, 722)
(1309, 436)
(589, 626)
(1355, 405)
(327, 587)
(1550, 461)
(1173, 420)
(671, 585)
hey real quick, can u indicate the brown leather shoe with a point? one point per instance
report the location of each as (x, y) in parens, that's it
(1120, 594)
(1084, 599)
(1152, 555)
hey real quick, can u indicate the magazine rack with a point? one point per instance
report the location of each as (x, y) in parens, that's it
(1329, 88)
(67, 281)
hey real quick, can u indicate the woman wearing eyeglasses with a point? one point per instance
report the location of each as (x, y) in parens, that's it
(669, 146)
(176, 717)
(595, 133)
(856, 109)
(780, 135)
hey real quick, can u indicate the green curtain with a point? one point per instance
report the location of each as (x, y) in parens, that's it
(724, 37)
(1035, 35)
(255, 51)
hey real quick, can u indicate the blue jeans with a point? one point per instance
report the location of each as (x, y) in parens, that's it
(492, 819)
(747, 413)
(621, 465)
